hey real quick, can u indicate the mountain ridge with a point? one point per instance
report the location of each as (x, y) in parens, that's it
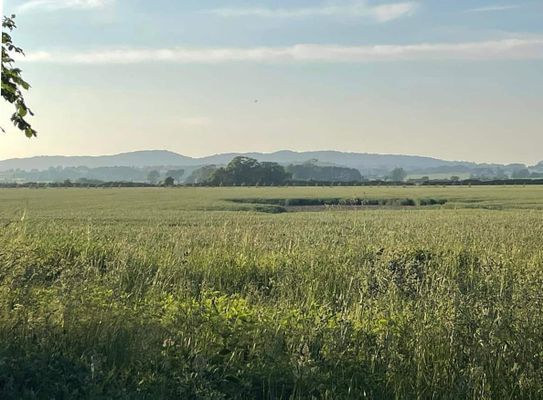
(151, 158)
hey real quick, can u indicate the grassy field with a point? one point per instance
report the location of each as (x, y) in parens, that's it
(182, 293)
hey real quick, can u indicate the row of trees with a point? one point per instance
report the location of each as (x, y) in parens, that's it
(98, 174)
(310, 171)
(241, 171)
(399, 175)
(249, 172)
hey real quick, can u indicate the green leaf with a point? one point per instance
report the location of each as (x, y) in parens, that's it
(22, 110)
(12, 81)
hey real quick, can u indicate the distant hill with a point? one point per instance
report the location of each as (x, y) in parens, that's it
(132, 159)
(361, 161)
(135, 166)
(538, 167)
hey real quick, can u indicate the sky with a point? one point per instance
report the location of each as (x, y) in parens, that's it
(452, 79)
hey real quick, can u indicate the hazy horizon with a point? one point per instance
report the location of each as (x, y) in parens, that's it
(454, 80)
(265, 153)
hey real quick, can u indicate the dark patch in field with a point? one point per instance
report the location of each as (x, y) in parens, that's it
(280, 205)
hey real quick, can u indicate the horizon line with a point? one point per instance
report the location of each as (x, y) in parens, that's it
(266, 153)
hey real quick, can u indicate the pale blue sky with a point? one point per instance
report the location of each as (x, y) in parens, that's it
(451, 79)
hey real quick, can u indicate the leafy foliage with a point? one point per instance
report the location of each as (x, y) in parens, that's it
(314, 172)
(13, 83)
(248, 171)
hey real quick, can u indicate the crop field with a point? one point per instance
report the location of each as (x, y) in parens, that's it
(272, 293)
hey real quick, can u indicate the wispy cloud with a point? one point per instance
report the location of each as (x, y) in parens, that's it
(528, 48)
(52, 5)
(494, 8)
(380, 13)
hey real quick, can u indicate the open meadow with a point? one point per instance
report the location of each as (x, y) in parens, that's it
(272, 293)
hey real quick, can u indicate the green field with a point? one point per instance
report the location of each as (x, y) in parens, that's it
(182, 293)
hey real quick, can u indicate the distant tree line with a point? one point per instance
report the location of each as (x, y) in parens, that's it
(250, 172)
(97, 184)
(310, 171)
(479, 182)
(99, 174)
(79, 184)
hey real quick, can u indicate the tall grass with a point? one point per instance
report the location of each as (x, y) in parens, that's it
(435, 303)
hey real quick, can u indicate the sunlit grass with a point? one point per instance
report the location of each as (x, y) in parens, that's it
(140, 293)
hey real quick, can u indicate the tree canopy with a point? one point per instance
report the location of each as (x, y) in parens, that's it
(398, 175)
(13, 83)
(248, 171)
(310, 171)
